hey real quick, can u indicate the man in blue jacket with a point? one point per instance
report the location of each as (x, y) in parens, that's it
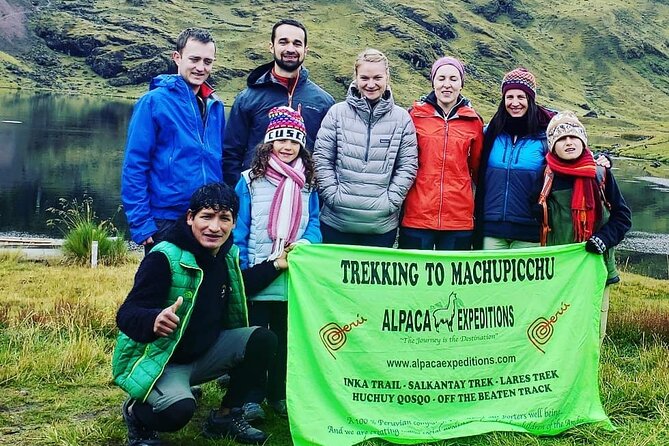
(281, 82)
(174, 141)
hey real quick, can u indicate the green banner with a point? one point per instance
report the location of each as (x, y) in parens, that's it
(415, 346)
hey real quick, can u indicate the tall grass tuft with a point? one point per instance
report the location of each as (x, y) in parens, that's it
(80, 227)
(639, 324)
(643, 315)
(11, 256)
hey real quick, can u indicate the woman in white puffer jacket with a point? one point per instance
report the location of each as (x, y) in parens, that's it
(365, 158)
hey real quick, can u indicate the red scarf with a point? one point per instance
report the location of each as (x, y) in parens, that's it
(586, 209)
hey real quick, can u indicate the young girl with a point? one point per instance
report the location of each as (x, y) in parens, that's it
(278, 207)
(580, 201)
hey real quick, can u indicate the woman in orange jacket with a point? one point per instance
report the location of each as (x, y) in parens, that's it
(439, 209)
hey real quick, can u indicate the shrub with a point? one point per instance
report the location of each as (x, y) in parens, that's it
(80, 227)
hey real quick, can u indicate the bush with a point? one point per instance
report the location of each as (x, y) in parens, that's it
(80, 227)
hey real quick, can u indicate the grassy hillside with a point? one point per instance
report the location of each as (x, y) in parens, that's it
(597, 56)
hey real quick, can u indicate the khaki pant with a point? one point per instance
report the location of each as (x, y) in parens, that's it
(505, 243)
(604, 314)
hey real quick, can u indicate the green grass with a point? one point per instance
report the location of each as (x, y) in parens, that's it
(57, 332)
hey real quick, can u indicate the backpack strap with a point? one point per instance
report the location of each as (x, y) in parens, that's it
(544, 143)
(601, 182)
(545, 190)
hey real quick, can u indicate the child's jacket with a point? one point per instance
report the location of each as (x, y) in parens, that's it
(616, 215)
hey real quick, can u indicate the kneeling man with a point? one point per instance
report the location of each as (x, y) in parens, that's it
(185, 322)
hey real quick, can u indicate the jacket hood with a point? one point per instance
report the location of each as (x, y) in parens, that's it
(171, 81)
(363, 107)
(182, 236)
(176, 82)
(263, 75)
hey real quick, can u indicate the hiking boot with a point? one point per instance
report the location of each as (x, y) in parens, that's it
(234, 427)
(138, 434)
(279, 408)
(253, 412)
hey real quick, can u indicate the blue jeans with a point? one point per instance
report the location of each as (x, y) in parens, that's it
(429, 239)
(335, 237)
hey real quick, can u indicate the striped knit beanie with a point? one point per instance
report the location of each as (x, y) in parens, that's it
(563, 124)
(522, 79)
(286, 123)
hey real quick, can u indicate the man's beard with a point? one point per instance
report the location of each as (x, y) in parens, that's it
(288, 66)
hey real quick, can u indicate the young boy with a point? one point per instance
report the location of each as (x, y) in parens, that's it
(581, 201)
(185, 322)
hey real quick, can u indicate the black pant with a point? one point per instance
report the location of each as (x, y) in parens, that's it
(274, 315)
(164, 227)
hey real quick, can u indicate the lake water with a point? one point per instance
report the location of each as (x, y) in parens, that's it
(54, 146)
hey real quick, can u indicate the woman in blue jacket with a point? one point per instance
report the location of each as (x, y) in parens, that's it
(514, 152)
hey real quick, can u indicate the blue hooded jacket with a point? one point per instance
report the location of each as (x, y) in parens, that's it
(170, 152)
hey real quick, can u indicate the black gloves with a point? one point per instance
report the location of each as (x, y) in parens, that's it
(595, 245)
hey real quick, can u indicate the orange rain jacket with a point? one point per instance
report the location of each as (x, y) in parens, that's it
(449, 153)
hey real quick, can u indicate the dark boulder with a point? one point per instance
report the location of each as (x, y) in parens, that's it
(66, 37)
(137, 62)
(494, 9)
(146, 70)
(105, 62)
(442, 28)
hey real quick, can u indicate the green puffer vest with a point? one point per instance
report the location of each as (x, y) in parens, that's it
(562, 228)
(137, 366)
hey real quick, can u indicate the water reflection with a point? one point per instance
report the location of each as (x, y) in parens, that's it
(62, 147)
(648, 197)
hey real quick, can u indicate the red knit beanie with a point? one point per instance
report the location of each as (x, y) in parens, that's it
(286, 123)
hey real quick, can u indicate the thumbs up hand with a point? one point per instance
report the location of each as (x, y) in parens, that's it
(167, 320)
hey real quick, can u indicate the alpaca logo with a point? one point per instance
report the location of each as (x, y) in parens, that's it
(333, 336)
(446, 315)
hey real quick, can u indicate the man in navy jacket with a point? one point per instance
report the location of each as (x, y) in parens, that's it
(281, 82)
(174, 141)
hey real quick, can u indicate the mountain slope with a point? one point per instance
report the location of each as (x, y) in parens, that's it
(610, 59)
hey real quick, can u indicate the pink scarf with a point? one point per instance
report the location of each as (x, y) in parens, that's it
(285, 211)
